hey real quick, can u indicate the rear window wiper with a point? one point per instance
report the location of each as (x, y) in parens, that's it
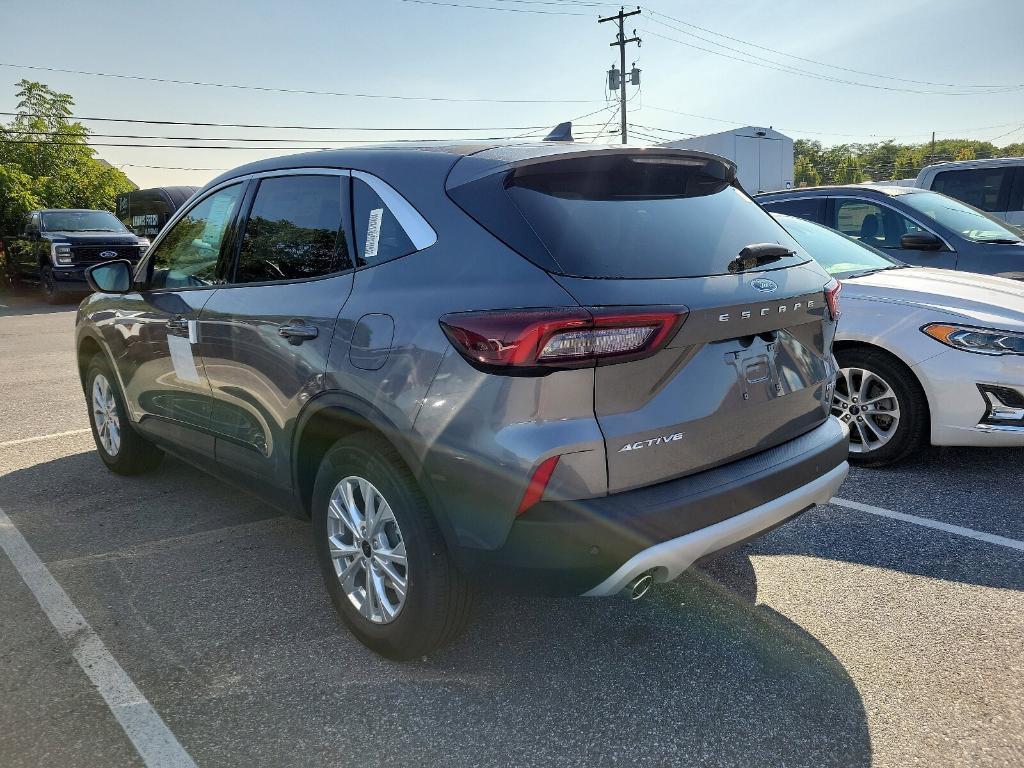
(759, 254)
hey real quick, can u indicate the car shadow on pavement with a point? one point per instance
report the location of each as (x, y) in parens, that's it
(693, 674)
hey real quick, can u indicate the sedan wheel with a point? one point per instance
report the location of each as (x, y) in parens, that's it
(868, 404)
(367, 550)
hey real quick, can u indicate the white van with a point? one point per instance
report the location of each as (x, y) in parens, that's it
(995, 185)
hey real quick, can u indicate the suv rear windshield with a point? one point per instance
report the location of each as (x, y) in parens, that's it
(624, 215)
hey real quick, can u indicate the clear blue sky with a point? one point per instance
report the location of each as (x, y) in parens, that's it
(392, 47)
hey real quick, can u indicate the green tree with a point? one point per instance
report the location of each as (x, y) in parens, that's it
(47, 162)
(848, 171)
(804, 173)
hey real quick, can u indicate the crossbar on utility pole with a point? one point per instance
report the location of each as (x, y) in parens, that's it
(622, 41)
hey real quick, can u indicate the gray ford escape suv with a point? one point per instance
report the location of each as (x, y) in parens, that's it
(554, 368)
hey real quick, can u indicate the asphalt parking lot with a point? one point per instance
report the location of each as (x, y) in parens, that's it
(846, 638)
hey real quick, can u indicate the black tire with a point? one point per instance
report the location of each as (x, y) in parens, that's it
(134, 455)
(913, 430)
(48, 287)
(438, 597)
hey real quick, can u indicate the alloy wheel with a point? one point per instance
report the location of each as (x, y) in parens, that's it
(104, 415)
(868, 404)
(367, 550)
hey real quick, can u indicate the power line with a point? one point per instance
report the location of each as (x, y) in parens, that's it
(813, 61)
(305, 92)
(287, 127)
(786, 69)
(491, 8)
(65, 134)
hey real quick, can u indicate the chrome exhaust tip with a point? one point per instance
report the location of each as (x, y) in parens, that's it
(639, 586)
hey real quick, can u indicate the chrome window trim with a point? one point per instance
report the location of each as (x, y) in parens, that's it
(416, 227)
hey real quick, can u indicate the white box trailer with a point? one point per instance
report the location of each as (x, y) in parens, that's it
(763, 157)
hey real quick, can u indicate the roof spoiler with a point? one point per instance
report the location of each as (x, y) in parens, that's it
(561, 132)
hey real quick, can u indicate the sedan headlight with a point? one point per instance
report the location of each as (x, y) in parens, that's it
(984, 341)
(60, 254)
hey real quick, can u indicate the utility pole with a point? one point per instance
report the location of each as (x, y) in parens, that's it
(622, 41)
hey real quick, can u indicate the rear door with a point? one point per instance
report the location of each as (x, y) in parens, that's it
(267, 333)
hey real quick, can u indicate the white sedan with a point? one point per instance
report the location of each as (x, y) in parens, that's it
(925, 355)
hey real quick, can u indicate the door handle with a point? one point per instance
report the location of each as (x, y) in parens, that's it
(297, 331)
(177, 324)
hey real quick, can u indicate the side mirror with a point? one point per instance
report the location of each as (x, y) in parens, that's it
(920, 241)
(110, 276)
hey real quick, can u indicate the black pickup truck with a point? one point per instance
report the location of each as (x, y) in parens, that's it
(56, 245)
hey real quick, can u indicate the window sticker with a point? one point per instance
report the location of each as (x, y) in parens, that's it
(373, 233)
(182, 359)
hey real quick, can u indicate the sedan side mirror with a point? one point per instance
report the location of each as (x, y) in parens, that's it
(920, 241)
(110, 276)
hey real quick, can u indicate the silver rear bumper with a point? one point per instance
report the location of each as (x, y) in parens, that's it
(670, 558)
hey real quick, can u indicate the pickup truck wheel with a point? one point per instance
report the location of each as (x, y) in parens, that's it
(882, 403)
(47, 285)
(382, 555)
(121, 448)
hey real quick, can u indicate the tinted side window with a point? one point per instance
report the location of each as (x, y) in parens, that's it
(810, 208)
(189, 253)
(984, 188)
(872, 224)
(294, 230)
(378, 233)
(1016, 202)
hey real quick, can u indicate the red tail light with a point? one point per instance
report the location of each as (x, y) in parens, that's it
(521, 340)
(832, 290)
(539, 481)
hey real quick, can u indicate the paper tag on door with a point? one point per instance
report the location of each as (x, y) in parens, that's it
(182, 358)
(373, 233)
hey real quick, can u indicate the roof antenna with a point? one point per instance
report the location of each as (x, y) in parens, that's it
(561, 132)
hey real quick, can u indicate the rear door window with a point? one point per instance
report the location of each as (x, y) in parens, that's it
(810, 208)
(984, 188)
(620, 215)
(294, 230)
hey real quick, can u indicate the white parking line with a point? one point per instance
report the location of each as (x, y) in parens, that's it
(153, 740)
(37, 438)
(969, 533)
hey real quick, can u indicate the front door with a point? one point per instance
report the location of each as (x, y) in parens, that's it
(160, 366)
(267, 333)
(881, 226)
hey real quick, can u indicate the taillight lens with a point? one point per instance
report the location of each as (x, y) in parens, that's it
(538, 484)
(832, 289)
(525, 340)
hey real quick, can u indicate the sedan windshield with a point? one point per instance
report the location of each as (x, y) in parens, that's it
(841, 256)
(970, 222)
(81, 221)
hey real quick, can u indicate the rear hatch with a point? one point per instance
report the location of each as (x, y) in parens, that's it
(749, 367)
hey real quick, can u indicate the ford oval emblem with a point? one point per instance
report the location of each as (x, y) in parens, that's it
(108, 254)
(764, 285)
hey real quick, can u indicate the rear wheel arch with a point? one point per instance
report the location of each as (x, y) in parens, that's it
(331, 418)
